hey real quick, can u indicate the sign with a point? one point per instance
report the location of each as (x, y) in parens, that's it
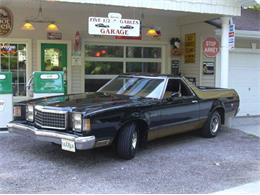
(114, 15)
(190, 48)
(6, 21)
(77, 44)
(49, 76)
(208, 68)
(231, 36)
(113, 26)
(54, 35)
(7, 49)
(210, 47)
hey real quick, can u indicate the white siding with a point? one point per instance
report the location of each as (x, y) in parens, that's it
(230, 7)
(76, 79)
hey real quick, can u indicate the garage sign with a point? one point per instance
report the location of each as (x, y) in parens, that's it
(210, 47)
(113, 26)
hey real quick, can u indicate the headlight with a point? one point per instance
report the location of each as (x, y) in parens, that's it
(30, 113)
(79, 124)
(17, 111)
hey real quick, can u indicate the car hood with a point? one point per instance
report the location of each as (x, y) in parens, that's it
(90, 102)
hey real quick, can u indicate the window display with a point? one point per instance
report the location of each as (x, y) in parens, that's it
(13, 58)
(103, 62)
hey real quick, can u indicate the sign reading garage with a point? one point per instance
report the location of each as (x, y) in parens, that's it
(113, 26)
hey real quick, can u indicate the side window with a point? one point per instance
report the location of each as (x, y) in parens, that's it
(178, 88)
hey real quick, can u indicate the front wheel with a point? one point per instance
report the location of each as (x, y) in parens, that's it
(127, 141)
(212, 126)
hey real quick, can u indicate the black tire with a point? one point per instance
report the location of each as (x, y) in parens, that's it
(212, 126)
(125, 141)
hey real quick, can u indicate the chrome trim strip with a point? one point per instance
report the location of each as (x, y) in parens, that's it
(177, 123)
(81, 142)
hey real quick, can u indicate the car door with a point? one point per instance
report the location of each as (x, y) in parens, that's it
(177, 114)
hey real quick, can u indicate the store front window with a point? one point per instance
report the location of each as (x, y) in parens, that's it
(103, 62)
(13, 58)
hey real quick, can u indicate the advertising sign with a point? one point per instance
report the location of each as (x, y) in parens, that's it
(231, 36)
(7, 49)
(113, 26)
(54, 35)
(210, 47)
(6, 21)
(190, 48)
(208, 68)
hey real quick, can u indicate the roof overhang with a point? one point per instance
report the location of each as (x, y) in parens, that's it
(220, 7)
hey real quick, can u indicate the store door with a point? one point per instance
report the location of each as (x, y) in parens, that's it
(54, 58)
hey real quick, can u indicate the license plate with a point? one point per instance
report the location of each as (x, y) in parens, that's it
(68, 145)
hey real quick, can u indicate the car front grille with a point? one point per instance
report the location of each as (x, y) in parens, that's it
(51, 119)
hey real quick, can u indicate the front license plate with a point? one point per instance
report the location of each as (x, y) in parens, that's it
(68, 145)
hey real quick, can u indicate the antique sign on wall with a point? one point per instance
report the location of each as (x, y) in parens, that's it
(113, 26)
(208, 68)
(210, 47)
(6, 21)
(190, 48)
(54, 35)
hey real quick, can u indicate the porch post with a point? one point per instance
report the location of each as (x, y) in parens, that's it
(224, 63)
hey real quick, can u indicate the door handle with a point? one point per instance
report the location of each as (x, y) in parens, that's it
(194, 101)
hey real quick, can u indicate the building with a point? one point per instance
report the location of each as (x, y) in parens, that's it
(90, 60)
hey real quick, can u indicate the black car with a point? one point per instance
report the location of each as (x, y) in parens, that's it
(101, 25)
(128, 111)
(127, 27)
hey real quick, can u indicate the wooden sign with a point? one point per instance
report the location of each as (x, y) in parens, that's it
(190, 48)
(6, 21)
(54, 35)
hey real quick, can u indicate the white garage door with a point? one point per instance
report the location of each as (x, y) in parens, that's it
(244, 77)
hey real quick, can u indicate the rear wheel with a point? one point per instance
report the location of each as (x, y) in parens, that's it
(127, 141)
(212, 126)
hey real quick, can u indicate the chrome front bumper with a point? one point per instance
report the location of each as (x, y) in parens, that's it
(81, 143)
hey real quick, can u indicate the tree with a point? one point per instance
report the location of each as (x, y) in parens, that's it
(255, 7)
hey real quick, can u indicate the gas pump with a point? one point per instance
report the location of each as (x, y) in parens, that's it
(6, 98)
(47, 83)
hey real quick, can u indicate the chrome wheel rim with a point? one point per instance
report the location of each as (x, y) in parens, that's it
(134, 140)
(214, 124)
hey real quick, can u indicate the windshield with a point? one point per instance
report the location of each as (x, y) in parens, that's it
(135, 86)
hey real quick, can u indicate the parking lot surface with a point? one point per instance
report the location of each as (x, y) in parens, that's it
(184, 163)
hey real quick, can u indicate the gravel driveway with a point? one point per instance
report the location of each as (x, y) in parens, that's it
(185, 163)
